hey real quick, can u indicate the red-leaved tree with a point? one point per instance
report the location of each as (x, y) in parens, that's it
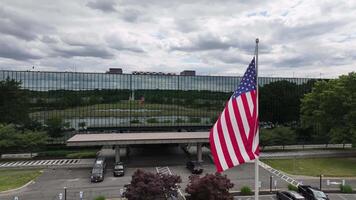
(151, 186)
(210, 187)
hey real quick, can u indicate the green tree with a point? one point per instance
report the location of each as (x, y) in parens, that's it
(12, 139)
(55, 126)
(280, 101)
(278, 136)
(13, 102)
(32, 141)
(330, 110)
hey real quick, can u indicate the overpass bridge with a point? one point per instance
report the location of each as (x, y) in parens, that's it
(118, 140)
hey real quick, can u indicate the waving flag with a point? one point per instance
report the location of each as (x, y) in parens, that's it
(234, 136)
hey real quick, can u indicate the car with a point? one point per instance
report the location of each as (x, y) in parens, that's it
(311, 193)
(195, 167)
(119, 169)
(98, 171)
(289, 195)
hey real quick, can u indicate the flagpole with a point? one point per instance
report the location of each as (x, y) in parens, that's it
(257, 104)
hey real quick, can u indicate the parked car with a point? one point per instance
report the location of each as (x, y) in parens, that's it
(195, 167)
(98, 171)
(289, 195)
(119, 169)
(311, 193)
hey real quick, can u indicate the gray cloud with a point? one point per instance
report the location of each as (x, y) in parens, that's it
(14, 24)
(130, 14)
(124, 44)
(212, 37)
(83, 51)
(103, 5)
(13, 50)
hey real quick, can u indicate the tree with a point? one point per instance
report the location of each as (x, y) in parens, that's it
(280, 101)
(151, 186)
(278, 136)
(32, 141)
(13, 102)
(12, 139)
(330, 110)
(55, 126)
(210, 187)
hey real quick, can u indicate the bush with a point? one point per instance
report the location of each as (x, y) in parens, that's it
(79, 155)
(151, 186)
(211, 186)
(245, 190)
(55, 154)
(292, 187)
(167, 121)
(194, 120)
(100, 198)
(135, 121)
(152, 120)
(180, 120)
(346, 188)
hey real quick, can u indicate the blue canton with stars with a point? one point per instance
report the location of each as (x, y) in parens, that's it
(248, 81)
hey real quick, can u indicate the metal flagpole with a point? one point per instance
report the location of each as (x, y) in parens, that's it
(257, 109)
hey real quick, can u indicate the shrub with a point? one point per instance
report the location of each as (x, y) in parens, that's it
(211, 186)
(180, 120)
(245, 190)
(151, 186)
(135, 121)
(194, 120)
(55, 154)
(346, 188)
(292, 187)
(152, 120)
(79, 155)
(167, 121)
(100, 198)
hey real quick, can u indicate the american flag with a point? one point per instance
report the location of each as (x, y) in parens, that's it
(234, 137)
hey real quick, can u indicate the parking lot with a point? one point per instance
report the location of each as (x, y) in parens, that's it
(52, 182)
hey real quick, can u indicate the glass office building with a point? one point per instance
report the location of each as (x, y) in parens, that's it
(100, 100)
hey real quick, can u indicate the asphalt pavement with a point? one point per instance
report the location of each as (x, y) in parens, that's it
(53, 181)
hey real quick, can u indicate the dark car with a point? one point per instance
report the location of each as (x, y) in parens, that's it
(289, 195)
(195, 167)
(311, 193)
(119, 169)
(98, 171)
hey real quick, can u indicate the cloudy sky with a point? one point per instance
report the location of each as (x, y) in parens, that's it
(308, 38)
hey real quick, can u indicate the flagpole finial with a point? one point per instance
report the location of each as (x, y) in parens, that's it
(257, 40)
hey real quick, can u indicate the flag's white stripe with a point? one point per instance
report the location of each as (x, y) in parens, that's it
(237, 132)
(250, 102)
(241, 108)
(229, 145)
(256, 141)
(217, 143)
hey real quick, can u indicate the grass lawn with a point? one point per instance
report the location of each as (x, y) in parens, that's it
(14, 178)
(332, 167)
(108, 110)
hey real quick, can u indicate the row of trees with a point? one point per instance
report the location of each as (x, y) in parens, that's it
(152, 186)
(330, 110)
(13, 139)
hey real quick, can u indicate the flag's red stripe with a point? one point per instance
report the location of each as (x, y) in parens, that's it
(232, 136)
(223, 144)
(247, 110)
(246, 143)
(213, 151)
